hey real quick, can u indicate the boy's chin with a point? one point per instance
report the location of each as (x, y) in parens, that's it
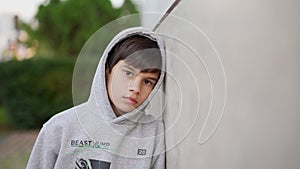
(125, 111)
(122, 111)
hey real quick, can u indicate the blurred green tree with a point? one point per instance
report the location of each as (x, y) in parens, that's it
(35, 89)
(65, 25)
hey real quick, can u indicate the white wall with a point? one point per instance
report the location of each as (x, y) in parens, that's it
(244, 54)
(152, 11)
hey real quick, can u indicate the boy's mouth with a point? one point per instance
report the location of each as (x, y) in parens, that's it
(131, 100)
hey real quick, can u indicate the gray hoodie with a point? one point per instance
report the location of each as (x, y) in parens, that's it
(90, 135)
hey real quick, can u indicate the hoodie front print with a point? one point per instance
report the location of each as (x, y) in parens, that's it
(91, 136)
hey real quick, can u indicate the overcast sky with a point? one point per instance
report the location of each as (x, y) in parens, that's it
(25, 9)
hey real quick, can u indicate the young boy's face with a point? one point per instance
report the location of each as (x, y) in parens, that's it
(128, 87)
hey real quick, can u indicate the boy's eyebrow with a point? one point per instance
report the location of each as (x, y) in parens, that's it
(129, 67)
(152, 78)
(132, 69)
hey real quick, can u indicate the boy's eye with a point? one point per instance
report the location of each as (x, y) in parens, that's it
(148, 82)
(128, 74)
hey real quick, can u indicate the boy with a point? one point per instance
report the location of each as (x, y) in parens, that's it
(111, 130)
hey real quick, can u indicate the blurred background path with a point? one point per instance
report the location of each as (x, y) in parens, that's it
(16, 146)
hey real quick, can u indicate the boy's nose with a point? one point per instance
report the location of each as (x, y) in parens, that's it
(135, 86)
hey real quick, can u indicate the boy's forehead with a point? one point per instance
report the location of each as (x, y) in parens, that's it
(123, 64)
(126, 65)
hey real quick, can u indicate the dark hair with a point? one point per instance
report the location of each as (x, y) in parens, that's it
(138, 51)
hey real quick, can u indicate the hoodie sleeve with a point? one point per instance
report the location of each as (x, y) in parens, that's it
(159, 152)
(45, 150)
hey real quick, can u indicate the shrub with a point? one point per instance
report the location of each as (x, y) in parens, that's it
(33, 90)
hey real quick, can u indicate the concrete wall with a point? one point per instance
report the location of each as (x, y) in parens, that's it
(242, 57)
(152, 11)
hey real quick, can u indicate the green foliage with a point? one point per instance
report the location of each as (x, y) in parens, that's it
(67, 25)
(3, 118)
(33, 90)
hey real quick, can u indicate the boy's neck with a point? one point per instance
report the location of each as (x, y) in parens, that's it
(116, 111)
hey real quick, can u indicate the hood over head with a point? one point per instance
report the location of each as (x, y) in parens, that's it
(98, 101)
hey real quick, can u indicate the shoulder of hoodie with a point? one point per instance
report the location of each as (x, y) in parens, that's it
(64, 119)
